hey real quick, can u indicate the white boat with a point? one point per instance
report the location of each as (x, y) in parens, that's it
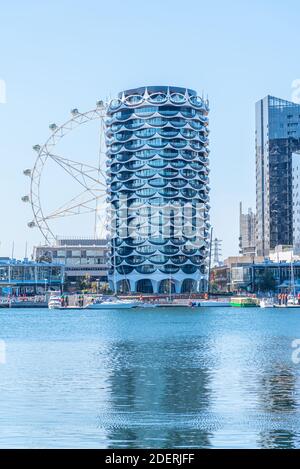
(266, 303)
(292, 300)
(114, 303)
(54, 301)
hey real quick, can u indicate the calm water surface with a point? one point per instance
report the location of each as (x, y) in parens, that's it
(213, 378)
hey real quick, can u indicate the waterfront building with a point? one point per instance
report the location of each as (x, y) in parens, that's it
(240, 271)
(220, 279)
(247, 239)
(275, 276)
(277, 138)
(29, 277)
(258, 274)
(82, 258)
(157, 147)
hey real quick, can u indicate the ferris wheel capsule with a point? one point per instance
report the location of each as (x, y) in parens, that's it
(53, 126)
(27, 172)
(31, 224)
(36, 147)
(25, 198)
(74, 111)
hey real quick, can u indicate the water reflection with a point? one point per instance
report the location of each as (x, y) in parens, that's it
(278, 398)
(209, 379)
(222, 382)
(159, 394)
(278, 390)
(278, 439)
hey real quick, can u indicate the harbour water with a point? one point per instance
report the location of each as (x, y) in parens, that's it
(207, 378)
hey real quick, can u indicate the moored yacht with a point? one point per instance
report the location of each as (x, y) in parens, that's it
(113, 303)
(267, 303)
(55, 301)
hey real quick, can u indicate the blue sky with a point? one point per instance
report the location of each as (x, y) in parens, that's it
(57, 55)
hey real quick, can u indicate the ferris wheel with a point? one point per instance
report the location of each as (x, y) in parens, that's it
(89, 178)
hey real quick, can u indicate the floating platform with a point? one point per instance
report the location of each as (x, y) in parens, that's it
(286, 306)
(244, 302)
(24, 304)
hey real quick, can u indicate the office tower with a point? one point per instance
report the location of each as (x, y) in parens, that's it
(296, 202)
(277, 137)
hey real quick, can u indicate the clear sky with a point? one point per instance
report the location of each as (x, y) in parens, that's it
(60, 54)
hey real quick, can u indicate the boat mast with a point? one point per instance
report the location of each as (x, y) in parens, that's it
(292, 279)
(209, 264)
(115, 285)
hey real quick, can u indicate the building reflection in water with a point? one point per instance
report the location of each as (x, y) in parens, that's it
(159, 394)
(279, 397)
(234, 388)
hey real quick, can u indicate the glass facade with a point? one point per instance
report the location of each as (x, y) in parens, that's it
(277, 137)
(157, 147)
(81, 258)
(14, 273)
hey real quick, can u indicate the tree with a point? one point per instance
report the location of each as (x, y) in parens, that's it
(268, 282)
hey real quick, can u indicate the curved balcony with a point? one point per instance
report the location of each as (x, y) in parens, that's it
(134, 260)
(158, 98)
(189, 269)
(145, 250)
(124, 270)
(146, 269)
(169, 269)
(169, 250)
(178, 260)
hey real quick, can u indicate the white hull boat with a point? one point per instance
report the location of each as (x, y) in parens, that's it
(54, 302)
(114, 304)
(266, 303)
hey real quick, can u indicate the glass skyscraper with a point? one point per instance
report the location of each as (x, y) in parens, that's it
(157, 148)
(277, 137)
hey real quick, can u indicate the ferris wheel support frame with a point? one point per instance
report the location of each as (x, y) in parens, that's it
(45, 152)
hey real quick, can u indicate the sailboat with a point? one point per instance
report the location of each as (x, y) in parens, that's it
(292, 300)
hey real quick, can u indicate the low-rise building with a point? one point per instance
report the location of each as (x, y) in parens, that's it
(275, 276)
(239, 271)
(257, 274)
(29, 277)
(220, 279)
(83, 258)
